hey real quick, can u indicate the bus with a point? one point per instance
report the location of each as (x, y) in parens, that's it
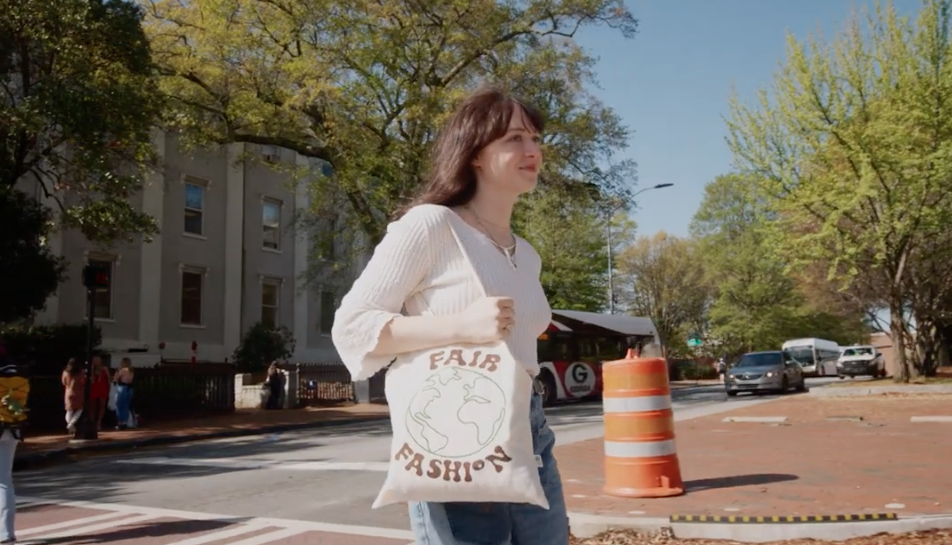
(572, 349)
(817, 357)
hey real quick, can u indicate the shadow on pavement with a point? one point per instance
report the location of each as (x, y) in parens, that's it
(736, 481)
(147, 530)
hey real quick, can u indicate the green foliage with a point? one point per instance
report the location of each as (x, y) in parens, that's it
(46, 349)
(80, 101)
(570, 238)
(853, 148)
(365, 86)
(757, 304)
(261, 345)
(661, 277)
(29, 272)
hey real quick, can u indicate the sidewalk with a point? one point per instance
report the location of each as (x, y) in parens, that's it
(39, 449)
(808, 465)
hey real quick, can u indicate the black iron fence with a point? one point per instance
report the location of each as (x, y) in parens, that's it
(324, 383)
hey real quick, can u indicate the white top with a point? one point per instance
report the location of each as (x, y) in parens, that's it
(418, 267)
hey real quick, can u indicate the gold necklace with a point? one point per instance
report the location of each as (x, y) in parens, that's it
(508, 251)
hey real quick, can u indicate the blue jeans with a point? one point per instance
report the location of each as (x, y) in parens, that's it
(8, 499)
(501, 523)
(123, 401)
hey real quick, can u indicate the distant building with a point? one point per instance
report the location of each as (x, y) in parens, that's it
(225, 259)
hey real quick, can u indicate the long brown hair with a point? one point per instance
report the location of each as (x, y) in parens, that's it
(483, 117)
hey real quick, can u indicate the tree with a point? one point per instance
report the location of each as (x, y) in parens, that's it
(365, 85)
(79, 104)
(261, 345)
(569, 235)
(757, 304)
(29, 271)
(663, 279)
(853, 147)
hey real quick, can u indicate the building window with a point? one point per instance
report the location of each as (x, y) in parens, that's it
(193, 287)
(328, 307)
(270, 299)
(102, 297)
(194, 207)
(271, 224)
(327, 238)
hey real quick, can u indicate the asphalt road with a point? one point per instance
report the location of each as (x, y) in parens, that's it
(323, 476)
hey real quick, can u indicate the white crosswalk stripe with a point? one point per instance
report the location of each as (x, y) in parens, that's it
(230, 530)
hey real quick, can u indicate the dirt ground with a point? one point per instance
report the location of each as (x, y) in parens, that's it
(935, 537)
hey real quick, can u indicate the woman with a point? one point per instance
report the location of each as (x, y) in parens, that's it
(123, 380)
(98, 392)
(484, 159)
(10, 436)
(74, 382)
(275, 386)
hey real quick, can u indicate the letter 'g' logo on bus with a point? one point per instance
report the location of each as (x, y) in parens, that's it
(579, 379)
(579, 374)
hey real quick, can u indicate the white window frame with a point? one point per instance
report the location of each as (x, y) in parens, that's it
(112, 261)
(202, 184)
(265, 201)
(203, 273)
(278, 284)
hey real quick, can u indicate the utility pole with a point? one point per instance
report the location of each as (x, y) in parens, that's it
(618, 205)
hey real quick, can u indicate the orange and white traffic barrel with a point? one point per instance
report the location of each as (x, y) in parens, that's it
(641, 459)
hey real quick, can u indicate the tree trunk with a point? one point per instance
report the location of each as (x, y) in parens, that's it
(897, 328)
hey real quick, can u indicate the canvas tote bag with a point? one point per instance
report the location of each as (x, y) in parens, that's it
(461, 429)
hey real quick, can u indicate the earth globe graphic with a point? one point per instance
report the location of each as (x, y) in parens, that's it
(456, 413)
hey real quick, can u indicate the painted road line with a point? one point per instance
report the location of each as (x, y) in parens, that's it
(303, 526)
(66, 524)
(930, 418)
(220, 535)
(269, 537)
(83, 530)
(756, 419)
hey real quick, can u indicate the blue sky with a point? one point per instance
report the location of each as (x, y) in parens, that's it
(671, 84)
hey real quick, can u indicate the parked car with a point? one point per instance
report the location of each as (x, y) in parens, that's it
(765, 371)
(861, 360)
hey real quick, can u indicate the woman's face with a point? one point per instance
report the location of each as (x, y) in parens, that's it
(511, 164)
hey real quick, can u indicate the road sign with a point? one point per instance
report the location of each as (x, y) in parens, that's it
(694, 342)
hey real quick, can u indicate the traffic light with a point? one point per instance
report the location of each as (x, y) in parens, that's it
(95, 276)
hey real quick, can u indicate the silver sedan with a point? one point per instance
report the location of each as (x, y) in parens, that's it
(764, 371)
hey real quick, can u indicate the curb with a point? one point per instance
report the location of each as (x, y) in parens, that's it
(586, 525)
(43, 459)
(861, 391)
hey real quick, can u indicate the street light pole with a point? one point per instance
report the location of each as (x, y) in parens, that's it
(608, 228)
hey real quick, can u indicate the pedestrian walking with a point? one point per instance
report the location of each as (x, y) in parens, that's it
(74, 382)
(12, 416)
(123, 379)
(419, 291)
(98, 392)
(275, 386)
